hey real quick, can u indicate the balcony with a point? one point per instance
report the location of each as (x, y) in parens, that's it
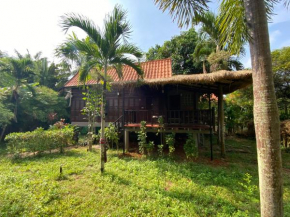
(193, 119)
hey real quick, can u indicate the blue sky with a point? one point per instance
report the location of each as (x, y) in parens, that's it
(34, 25)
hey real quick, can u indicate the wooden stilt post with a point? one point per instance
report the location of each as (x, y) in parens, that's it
(221, 121)
(195, 135)
(123, 119)
(126, 136)
(211, 110)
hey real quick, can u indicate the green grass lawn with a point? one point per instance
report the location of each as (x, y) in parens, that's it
(134, 186)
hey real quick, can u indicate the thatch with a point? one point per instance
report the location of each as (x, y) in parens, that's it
(210, 78)
(231, 80)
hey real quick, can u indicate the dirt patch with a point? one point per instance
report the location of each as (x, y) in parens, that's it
(168, 185)
(76, 176)
(214, 162)
(131, 154)
(239, 151)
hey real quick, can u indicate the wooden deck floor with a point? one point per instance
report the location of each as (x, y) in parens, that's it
(171, 127)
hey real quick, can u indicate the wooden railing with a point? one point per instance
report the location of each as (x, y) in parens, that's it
(172, 117)
(136, 116)
(199, 117)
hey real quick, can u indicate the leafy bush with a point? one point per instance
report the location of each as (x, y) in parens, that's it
(40, 140)
(142, 135)
(190, 147)
(160, 149)
(111, 134)
(170, 140)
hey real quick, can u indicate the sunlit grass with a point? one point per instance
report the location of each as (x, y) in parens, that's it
(33, 186)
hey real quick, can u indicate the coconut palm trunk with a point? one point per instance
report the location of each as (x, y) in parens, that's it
(266, 116)
(103, 123)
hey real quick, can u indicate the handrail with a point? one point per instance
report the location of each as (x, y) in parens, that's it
(118, 119)
(198, 116)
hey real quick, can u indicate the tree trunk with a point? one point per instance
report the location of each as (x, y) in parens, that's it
(102, 139)
(266, 114)
(3, 132)
(203, 67)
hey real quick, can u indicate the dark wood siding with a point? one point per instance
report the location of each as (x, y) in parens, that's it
(156, 100)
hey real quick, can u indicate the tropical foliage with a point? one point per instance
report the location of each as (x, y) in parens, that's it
(180, 49)
(26, 91)
(281, 70)
(40, 140)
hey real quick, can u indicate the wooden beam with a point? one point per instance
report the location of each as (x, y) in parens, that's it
(221, 117)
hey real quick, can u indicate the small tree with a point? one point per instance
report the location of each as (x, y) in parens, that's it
(93, 98)
(170, 140)
(142, 135)
(190, 147)
(111, 135)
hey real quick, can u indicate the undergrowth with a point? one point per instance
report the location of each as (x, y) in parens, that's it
(152, 186)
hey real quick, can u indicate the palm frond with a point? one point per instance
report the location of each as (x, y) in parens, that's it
(37, 55)
(129, 49)
(18, 54)
(128, 62)
(86, 69)
(82, 22)
(183, 10)
(232, 25)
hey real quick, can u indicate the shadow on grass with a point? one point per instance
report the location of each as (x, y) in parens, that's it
(200, 199)
(47, 156)
(225, 173)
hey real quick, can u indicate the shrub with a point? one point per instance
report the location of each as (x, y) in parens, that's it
(160, 149)
(40, 140)
(111, 135)
(190, 147)
(170, 140)
(142, 135)
(142, 138)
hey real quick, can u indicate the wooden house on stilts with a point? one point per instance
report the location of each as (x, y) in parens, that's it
(161, 94)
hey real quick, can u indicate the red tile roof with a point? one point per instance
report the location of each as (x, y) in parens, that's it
(152, 70)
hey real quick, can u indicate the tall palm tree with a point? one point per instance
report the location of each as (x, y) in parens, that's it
(254, 30)
(209, 47)
(103, 49)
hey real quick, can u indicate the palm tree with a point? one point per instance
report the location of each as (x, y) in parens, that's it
(102, 49)
(254, 30)
(15, 74)
(209, 48)
(203, 49)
